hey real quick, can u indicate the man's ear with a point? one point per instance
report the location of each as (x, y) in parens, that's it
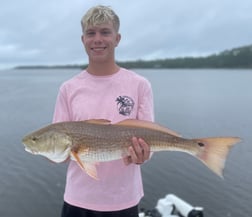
(82, 38)
(118, 39)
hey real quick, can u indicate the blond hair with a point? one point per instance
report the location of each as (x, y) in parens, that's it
(99, 15)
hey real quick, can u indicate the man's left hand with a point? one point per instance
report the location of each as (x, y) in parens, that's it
(139, 152)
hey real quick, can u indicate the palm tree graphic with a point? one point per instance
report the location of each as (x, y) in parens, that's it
(125, 105)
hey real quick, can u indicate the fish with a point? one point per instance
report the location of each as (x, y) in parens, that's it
(93, 141)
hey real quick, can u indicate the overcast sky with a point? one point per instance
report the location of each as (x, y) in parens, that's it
(48, 31)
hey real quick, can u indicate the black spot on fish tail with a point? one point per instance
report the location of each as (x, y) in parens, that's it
(201, 144)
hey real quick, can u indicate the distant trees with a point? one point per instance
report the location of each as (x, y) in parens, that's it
(234, 58)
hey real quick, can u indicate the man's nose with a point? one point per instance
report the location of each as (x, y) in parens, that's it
(98, 37)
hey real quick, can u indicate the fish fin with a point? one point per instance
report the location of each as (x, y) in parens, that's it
(98, 121)
(148, 125)
(215, 151)
(89, 168)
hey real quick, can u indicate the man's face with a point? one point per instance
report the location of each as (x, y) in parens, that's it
(100, 42)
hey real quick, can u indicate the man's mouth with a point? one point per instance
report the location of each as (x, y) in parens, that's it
(98, 48)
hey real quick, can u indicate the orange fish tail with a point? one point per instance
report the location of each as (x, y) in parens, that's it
(215, 151)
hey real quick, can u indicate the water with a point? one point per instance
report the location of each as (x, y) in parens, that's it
(196, 103)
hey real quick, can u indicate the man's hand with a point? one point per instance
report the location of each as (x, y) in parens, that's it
(139, 152)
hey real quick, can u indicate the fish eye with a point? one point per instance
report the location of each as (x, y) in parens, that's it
(34, 139)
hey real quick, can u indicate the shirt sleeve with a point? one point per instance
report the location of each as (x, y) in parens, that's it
(145, 106)
(61, 111)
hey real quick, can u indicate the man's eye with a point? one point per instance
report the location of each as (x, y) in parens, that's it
(90, 33)
(105, 32)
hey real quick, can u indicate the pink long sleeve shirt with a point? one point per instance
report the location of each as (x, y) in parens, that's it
(123, 95)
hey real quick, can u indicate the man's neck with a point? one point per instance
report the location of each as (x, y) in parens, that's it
(102, 69)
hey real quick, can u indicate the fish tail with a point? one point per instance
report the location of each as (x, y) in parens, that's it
(215, 151)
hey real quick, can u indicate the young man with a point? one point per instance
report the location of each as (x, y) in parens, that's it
(105, 91)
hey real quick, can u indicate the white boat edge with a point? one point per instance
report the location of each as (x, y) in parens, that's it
(173, 206)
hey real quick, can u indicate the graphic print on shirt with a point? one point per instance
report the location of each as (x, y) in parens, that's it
(125, 105)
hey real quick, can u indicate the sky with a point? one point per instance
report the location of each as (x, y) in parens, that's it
(48, 32)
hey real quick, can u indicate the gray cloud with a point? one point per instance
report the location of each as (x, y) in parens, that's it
(48, 32)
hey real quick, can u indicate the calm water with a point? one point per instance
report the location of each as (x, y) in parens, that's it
(196, 103)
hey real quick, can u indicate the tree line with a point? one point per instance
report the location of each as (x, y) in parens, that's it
(235, 58)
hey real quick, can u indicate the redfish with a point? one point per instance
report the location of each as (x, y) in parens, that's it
(93, 141)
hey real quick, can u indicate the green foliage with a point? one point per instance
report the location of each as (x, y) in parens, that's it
(234, 58)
